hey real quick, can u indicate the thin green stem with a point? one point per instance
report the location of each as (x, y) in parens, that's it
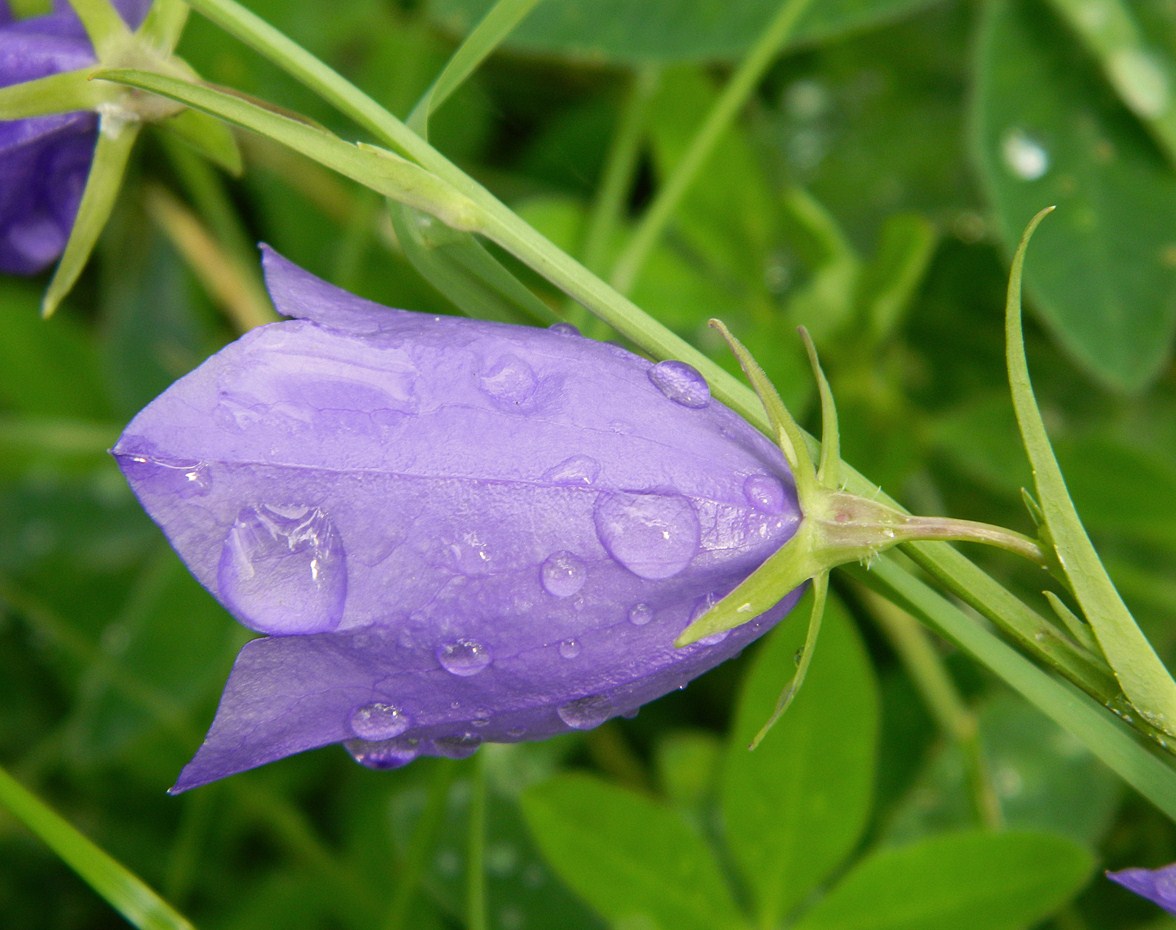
(941, 698)
(735, 94)
(420, 847)
(476, 915)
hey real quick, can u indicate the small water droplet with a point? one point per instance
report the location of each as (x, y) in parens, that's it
(516, 732)
(378, 721)
(701, 607)
(481, 718)
(564, 329)
(563, 574)
(186, 477)
(470, 556)
(576, 469)
(1023, 155)
(586, 712)
(765, 493)
(509, 382)
(653, 535)
(681, 383)
(569, 648)
(464, 657)
(640, 614)
(388, 754)
(283, 570)
(457, 747)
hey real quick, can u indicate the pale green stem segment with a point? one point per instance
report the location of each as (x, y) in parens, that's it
(1145, 681)
(64, 92)
(495, 26)
(836, 527)
(104, 27)
(123, 890)
(476, 914)
(734, 95)
(164, 24)
(115, 141)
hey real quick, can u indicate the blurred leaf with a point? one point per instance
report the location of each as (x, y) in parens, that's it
(1043, 777)
(632, 859)
(688, 764)
(796, 806)
(982, 881)
(622, 32)
(1103, 276)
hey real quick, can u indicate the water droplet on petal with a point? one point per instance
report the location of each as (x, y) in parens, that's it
(563, 574)
(681, 383)
(653, 535)
(388, 754)
(509, 382)
(1023, 156)
(464, 658)
(576, 469)
(586, 712)
(703, 605)
(185, 477)
(283, 570)
(457, 747)
(378, 721)
(765, 493)
(564, 329)
(640, 614)
(569, 648)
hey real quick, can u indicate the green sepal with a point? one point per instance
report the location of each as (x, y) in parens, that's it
(1145, 681)
(208, 136)
(64, 92)
(1072, 622)
(104, 26)
(164, 23)
(102, 185)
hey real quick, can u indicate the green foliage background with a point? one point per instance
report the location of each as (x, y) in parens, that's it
(872, 190)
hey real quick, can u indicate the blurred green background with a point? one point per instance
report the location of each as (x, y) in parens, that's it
(872, 190)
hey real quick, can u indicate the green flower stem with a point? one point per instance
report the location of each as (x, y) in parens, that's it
(422, 845)
(476, 915)
(56, 93)
(941, 698)
(735, 94)
(123, 890)
(164, 24)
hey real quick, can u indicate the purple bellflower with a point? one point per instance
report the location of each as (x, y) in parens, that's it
(1157, 885)
(44, 161)
(449, 531)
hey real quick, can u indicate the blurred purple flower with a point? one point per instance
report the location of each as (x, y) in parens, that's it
(451, 531)
(44, 161)
(1157, 885)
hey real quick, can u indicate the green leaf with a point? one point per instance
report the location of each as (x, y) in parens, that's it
(623, 32)
(982, 881)
(629, 857)
(1144, 679)
(795, 807)
(1104, 274)
(124, 890)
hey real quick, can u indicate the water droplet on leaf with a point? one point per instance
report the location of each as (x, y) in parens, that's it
(1023, 156)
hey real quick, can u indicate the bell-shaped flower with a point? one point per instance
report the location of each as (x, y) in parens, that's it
(449, 531)
(1157, 885)
(44, 160)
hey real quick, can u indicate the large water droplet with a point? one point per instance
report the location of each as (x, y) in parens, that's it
(378, 721)
(283, 570)
(640, 614)
(509, 382)
(1023, 155)
(563, 574)
(681, 383)
(389, 754)
(464, 658)
(569, 648)
(457, 747)
(576, 469)
(586, 712)
(653, 535)
(765, 493)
